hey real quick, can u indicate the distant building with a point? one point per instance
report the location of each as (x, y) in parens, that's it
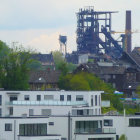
(44, 79)
(118, 76)
(45, 59)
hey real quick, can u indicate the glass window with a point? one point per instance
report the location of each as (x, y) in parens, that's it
(33, 129)
(79, 112)
(13, 98)
(108, 122)
(61, 97)
(0, 112)
(95, 100)
(87, 126)
(26, 97)
(91, 100)
(8, 127)
(11, 111)
(79, 97)
(51, 123)
(134, 122)
(38, 97)
(68, 97)
(0, 99)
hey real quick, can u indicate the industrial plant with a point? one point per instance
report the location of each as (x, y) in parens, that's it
(95, 36)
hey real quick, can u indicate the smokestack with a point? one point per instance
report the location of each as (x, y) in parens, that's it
(128, 41)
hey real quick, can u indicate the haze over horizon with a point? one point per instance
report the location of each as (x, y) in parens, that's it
(38, 23)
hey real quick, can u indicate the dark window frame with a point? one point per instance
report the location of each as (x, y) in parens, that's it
(8, 126)
(61, 97)
(109, 121)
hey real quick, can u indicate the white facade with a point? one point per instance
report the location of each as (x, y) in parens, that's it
(75, 117)
(38, 103)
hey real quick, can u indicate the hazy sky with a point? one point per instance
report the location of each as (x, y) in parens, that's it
(38, 23)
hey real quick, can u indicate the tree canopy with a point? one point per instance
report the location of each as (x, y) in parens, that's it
(14, 67)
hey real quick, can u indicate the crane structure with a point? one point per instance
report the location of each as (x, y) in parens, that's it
(125, 35)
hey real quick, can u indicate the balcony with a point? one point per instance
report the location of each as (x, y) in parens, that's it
(48, 103)
(47, 137)
(96, 131)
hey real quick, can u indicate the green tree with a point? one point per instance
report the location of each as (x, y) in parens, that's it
(14, 68)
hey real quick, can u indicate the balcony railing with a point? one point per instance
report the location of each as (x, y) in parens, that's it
(48, 103)
(96, 131)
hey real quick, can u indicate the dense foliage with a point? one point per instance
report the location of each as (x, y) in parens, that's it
(14, 67)
(87, 81)
(61, 63)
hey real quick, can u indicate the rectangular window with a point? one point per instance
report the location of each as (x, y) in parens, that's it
(51, 123)
(91, 100)
(48, 97)
(33, 129)
(134, 122)
(88, 126)
(61, 97)
(108, 122)
(95, 100)
(79, 112)
(79, 97)
(13, 98)
(26, 97)
(11, 111)
(0, 99)
(8, 127)
(46, 112)
(0, 112)
(38, 97)
(31, 112)
(68, 97)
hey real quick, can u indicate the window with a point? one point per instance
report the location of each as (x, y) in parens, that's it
(95, 100)
(91, 100)
(33, 129)
(46, 112)
(88, 126)
(134, 122)
(31, 112)
(8, 127)
(38, 97)
(11, 111)
(79, 112)
(108, 122)
(0, 99)
(48, 97)
(26, 97)
(68, 97)
(0, 112)
(61, 97)
(51, 123)
(79, 97)
(13, 98)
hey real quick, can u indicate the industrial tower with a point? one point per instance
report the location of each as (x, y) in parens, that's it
(94, 33)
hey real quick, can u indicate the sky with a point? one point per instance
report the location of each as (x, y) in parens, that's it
(37, 24)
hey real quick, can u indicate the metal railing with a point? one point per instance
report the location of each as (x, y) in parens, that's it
(48, 103)
(96, 131)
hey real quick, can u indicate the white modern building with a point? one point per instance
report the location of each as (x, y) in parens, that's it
(61, 115)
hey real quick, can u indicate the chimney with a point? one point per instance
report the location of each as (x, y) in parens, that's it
(128, 41)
